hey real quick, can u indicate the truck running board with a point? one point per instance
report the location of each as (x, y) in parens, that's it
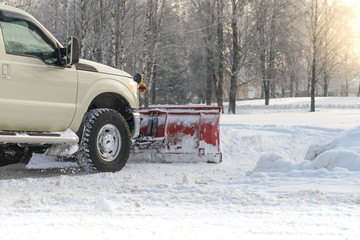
(37, 138)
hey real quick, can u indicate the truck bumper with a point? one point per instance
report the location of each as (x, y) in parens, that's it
(136, 132)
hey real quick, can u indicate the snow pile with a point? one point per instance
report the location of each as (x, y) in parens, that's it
(104, 205)
(275, 163)
(188, 180)
(343, 153)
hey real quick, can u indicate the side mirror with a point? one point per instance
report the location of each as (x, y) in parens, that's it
(72, 51)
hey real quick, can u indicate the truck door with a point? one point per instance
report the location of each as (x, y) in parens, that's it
(36, 94)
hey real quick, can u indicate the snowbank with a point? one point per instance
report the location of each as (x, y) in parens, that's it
(294, 192)
(302, 103)
(343, 153)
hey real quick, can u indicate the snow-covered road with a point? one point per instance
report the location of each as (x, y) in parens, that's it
(264, 189)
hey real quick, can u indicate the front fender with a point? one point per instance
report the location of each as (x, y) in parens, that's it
(89, 90)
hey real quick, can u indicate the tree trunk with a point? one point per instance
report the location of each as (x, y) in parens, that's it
(113, 59)
(133, 36)
(153, 87)
(83, 28)
(67, 22)
(215, 84)
(146, 54)
(326, 58)
(235, 64)
(117, 59)
(99, 31)
(121, 56)
(292, 85)
(326, 85)
(309, 76)
(266, 84)
(220, 34)
(54, 8)
(209, 73)
(314, 63)
(159, 13)
(210, 66)
(313, 82)
(272, 54)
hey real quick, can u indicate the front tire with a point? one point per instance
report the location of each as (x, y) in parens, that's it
(106, 142)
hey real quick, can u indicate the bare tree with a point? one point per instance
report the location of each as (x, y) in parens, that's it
(235, 57)
(241, 45)
(328, 30)
(314, 11)
(220, 52)
(273, 23)
(206, 10)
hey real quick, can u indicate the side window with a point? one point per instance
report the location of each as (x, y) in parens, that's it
(24, 38)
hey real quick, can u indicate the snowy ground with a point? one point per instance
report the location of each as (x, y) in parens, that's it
(286, 174)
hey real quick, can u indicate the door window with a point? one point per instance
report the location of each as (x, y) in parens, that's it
(24, 38)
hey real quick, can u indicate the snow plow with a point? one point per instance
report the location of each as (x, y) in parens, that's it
(178, 134)
(93, 117)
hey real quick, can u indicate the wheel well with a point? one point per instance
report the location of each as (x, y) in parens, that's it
(115, 102)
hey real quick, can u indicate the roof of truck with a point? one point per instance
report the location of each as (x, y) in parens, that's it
(13, 12)
(9, 11)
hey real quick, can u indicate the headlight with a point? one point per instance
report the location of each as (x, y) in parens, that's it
(134, 88)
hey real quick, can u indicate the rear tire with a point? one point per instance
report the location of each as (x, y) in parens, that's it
(13, 155)
(106, 142)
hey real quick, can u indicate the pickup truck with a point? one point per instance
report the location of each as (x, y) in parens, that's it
(52, 101)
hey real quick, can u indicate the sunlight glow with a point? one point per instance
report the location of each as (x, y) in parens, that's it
(352, 2)
(355, 23)
(356, 5)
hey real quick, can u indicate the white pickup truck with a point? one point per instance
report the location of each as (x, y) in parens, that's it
(50, 100)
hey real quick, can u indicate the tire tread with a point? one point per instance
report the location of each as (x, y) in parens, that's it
(83, 155)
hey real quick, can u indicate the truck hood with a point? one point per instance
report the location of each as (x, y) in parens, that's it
(86, 65)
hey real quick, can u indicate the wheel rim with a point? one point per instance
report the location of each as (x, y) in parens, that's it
(109, 142)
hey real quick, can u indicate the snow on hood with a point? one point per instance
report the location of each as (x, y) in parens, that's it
(105, 69)
(343, 154)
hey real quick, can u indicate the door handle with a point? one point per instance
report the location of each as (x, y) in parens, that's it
(6, 72)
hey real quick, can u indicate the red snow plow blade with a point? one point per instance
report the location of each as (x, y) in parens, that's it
(179, 134)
